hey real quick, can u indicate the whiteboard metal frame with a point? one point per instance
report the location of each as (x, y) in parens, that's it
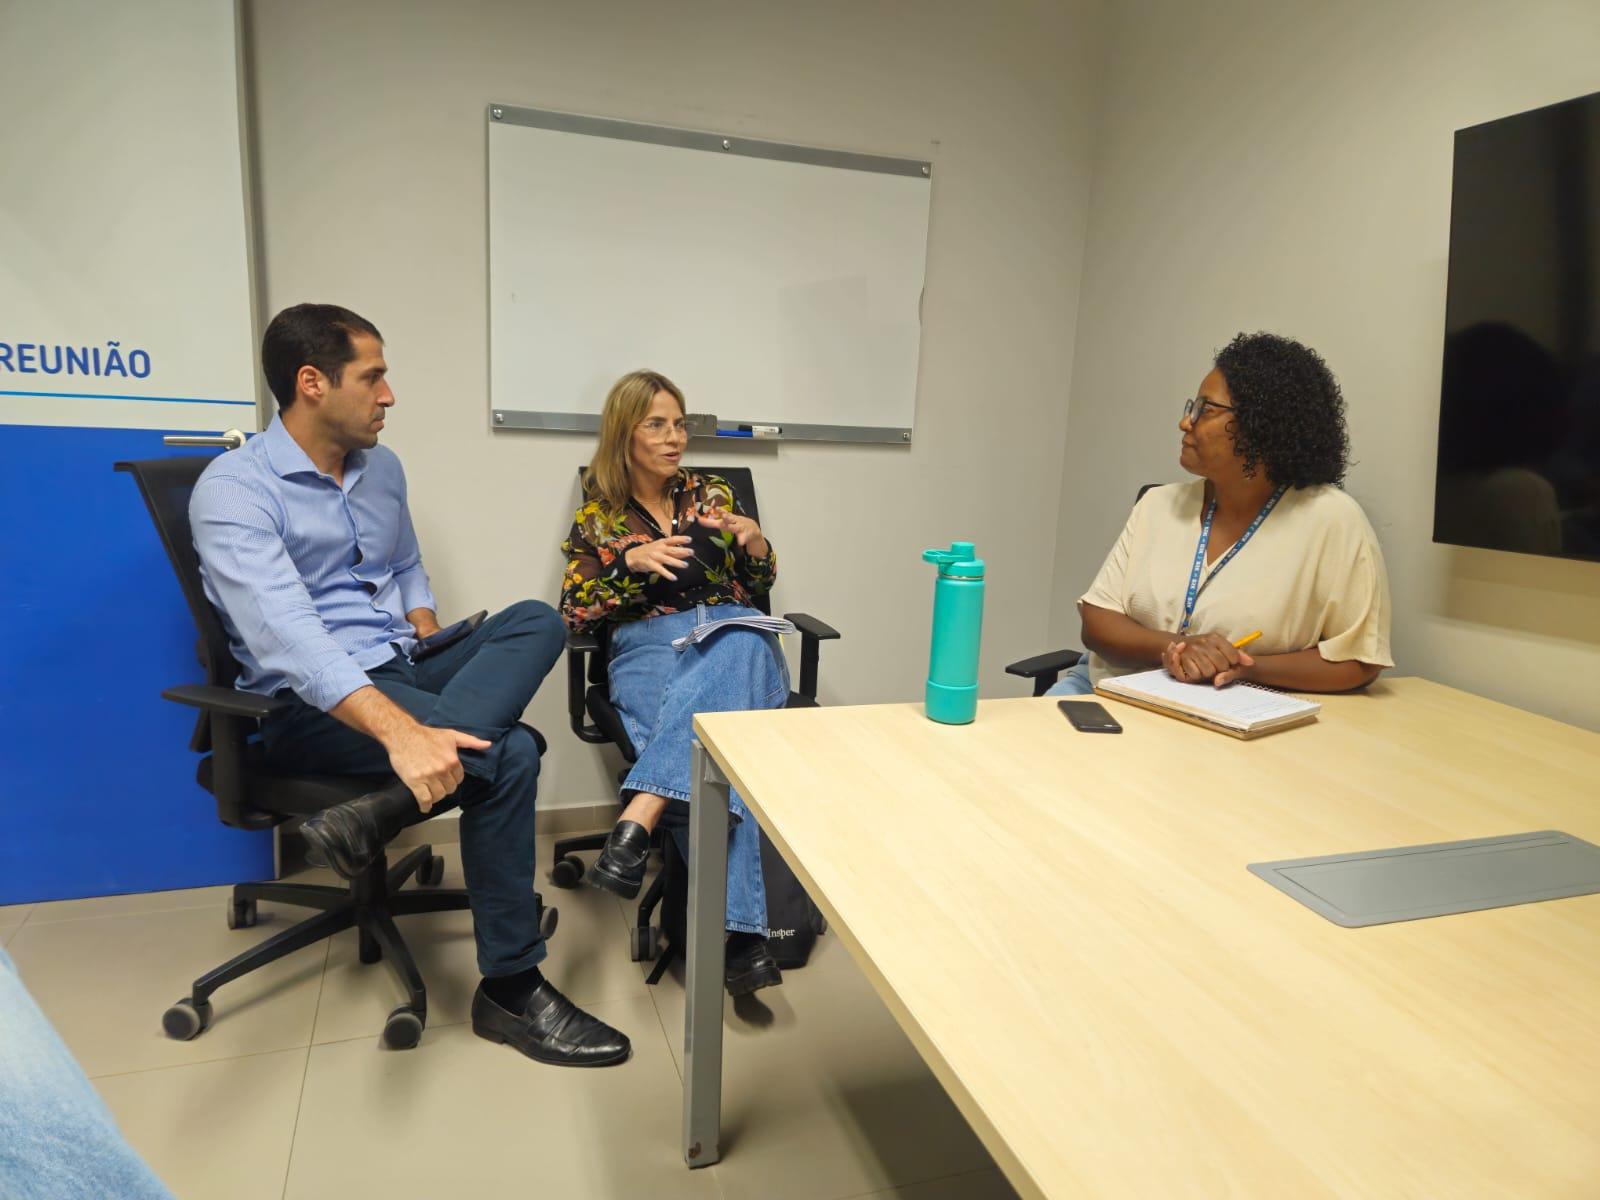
(716, 143)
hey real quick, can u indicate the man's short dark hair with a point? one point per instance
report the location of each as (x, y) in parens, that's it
(316, 335)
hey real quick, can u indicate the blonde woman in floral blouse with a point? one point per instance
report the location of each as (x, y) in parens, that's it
(655, 550)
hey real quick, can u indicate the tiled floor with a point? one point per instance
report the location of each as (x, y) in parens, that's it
(289, 1094)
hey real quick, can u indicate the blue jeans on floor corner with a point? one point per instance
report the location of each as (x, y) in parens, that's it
(58, 1140)
(1075, 682)
(658, 690)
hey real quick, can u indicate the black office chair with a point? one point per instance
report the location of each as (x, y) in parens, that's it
(1046, 669)
(595, 719)
(249, 796)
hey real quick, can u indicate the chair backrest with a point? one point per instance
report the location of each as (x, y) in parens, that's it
(744, 486)
(166, 484)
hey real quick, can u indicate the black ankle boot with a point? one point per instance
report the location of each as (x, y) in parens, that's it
(348, 836)
(748, 964)
(620, 867)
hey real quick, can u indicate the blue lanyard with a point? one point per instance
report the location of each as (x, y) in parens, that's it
(1195, 586)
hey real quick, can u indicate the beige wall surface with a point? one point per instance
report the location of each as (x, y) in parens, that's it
(1286, 166)
(370, 161)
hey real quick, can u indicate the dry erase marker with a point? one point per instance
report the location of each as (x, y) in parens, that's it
(763, 430)
(1246, 640)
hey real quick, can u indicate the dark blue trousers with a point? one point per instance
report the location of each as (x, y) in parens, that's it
(481, 686)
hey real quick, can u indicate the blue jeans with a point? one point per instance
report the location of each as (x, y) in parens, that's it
(657, 691)
(57, 1138)
(479, 686)
(1075, 682)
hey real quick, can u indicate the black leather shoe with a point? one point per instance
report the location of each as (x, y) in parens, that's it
(749, 966)
(348, 836)
(552, 1030)
(620, 867)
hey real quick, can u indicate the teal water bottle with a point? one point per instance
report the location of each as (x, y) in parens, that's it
(952, 695)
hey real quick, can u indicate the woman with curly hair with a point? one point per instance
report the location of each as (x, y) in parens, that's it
(1264, 540)
(655, 550)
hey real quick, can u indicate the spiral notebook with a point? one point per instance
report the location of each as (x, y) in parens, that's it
(1241, 710)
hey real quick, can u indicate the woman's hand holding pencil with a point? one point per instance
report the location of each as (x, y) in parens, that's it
(1208, 658)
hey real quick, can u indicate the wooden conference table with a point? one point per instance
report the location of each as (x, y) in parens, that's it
(1064, 926)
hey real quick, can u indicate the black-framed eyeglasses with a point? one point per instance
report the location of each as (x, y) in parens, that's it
(1196, 407)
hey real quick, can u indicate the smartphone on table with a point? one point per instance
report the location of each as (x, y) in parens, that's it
(1089, 716)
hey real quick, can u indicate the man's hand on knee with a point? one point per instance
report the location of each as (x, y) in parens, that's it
(427, 761)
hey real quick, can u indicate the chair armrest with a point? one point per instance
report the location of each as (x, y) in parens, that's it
(809, 626)
(225, 700)
(579, 647)
(1045, 669)
(812, 634)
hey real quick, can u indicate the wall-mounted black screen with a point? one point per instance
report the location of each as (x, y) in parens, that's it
(1519, 420)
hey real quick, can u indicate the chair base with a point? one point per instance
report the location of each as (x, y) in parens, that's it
(369, 904)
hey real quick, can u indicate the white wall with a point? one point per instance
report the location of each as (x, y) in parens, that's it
(1264, 164)
(371, 177)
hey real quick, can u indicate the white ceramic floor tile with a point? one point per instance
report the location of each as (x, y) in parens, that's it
(215, 898)
(459, 1116)
(823, 1099)
(105, 981)
(980, 1185)
(823, 1096)
(219, 1129)
(588, 961)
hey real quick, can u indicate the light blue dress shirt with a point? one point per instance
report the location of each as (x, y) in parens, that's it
(313, 579)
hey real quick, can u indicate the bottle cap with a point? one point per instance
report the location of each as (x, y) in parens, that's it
(958, 562)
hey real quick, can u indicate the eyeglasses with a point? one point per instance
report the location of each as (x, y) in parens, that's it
(1196, 407)
(661, 429)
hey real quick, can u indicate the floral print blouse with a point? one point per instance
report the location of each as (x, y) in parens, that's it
(598, 588)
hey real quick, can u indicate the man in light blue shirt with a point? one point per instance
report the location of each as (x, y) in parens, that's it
(308, 552)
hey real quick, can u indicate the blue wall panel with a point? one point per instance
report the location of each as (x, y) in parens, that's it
(97, 787)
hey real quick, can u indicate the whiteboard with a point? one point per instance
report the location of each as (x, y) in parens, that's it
(776, 285)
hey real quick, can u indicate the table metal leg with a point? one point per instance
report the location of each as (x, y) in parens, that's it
(708, 907)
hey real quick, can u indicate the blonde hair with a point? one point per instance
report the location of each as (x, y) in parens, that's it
(606, 478)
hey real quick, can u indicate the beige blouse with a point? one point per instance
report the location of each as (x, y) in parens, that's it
(1312, 575)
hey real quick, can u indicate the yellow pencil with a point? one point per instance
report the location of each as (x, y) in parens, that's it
(1246, 640)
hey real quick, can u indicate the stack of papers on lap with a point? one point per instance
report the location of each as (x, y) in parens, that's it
(701, 632)
(1242, 710)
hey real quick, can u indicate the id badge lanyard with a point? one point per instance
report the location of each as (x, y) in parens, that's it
(1196, 586)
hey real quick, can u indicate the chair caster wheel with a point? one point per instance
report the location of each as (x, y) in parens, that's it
(403, 1029)
(568, 872)
(431, 871)
(548, 919)
(186, 1019)
(241, 914)
(643, 945)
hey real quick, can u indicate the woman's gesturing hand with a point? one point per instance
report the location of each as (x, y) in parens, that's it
(663, 556)
(745, 531)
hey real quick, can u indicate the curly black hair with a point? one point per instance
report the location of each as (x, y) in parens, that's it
(1288, 411)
